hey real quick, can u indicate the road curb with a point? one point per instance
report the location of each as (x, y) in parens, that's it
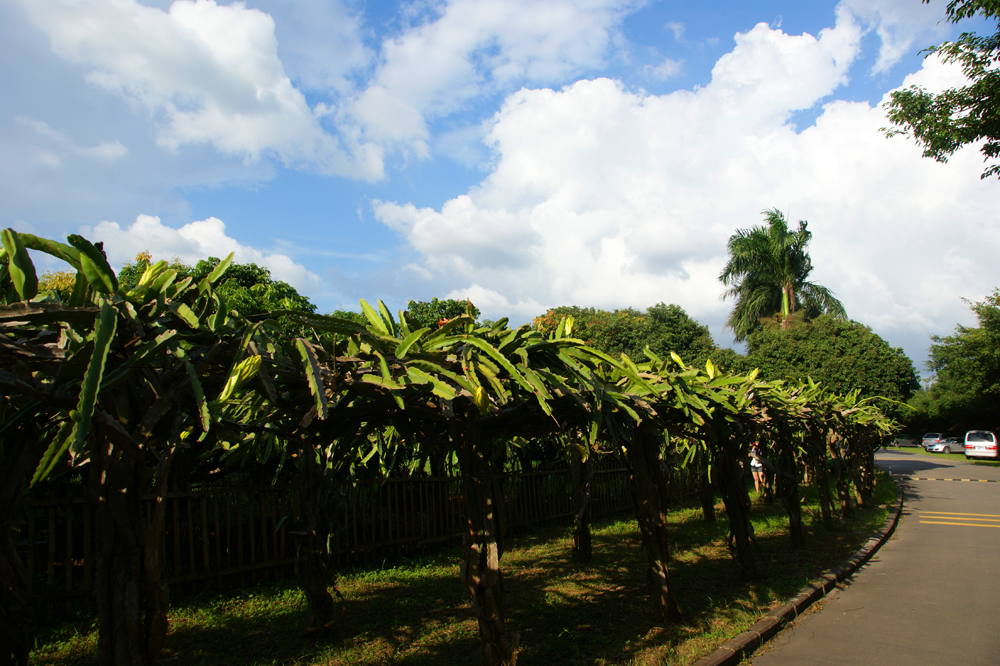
(733, 651)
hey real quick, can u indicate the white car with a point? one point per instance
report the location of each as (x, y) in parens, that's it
(981, 444)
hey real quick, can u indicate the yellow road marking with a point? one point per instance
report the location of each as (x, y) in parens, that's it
(928, 522)
(930, 478)
(941, 514)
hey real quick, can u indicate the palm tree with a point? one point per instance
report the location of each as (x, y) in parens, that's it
(767, 272)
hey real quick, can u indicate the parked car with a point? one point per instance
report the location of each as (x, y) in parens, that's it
(931, 438)
(949, 445)
(981, 444)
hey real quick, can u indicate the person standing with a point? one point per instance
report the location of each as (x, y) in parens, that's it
(757, 467)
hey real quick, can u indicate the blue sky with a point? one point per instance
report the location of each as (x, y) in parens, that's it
(523, 154)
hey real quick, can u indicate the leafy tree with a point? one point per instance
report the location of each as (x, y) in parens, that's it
(61, 282)
(767, 272)
(250, 289)
(663, 328)
(842, 355)
(431, 313)
(967, 365)
(944, 122)
(350, 315)
(247, 288)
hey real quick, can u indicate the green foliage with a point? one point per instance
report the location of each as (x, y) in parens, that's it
(767, 273)
(250, 289)
(966, 394)
(247, 288)
(349, 315)
(944, 122)
(663, 328)
(842, 355)
(430, 313)
(131, 273)
(60, 282)
(19, 266)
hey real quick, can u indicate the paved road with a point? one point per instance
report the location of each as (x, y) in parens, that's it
(930, 596)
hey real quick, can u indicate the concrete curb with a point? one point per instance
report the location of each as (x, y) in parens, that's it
(733, 651)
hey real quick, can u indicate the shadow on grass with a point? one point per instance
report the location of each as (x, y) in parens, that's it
(566, 613)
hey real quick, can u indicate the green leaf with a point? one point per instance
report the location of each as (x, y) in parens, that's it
(79, 296)
(438, 387)
(384, 382)
(220, 269)
(185, 314)
(461, 320)
(60, 250)
(503, 362)
(438, 369)
(136, 360)
(199, 397)
(218, 319)
(434, 342)
(409, 341)
(387, 318)
(22, 271)
(105, 328)
(374, 318)
(55, 451)
(313, 376)
(162, 281)
(241, 373)
(94, 265)
(179, 288)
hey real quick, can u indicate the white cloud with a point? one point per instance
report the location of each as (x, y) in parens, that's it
(899, 25)
(106, 150)
(609, 198)
(463, 145)
(319, 42)
(190, 243)
(488, 300)
(667, 69)
(207, 74)
(469, 48)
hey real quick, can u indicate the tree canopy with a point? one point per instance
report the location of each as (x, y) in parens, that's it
(431, 313)
(842, 355)
(247, 288)
(663, 328)
(966, 392)
(944, 122)
(768, 272)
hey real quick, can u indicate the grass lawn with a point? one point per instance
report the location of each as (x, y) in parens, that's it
(416, 613)
(954, 457)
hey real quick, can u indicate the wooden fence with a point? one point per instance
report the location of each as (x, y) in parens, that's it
(224, 531)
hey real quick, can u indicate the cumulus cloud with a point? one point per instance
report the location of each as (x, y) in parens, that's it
(607, 197)
(207, 73)
(899, 25)
(190, 243)
(231, 76)
(469, 48)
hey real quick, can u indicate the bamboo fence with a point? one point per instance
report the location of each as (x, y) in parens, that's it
(220, 531)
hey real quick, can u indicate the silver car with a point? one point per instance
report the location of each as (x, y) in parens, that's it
(950, 445)
(931, 438)
(981, 444)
